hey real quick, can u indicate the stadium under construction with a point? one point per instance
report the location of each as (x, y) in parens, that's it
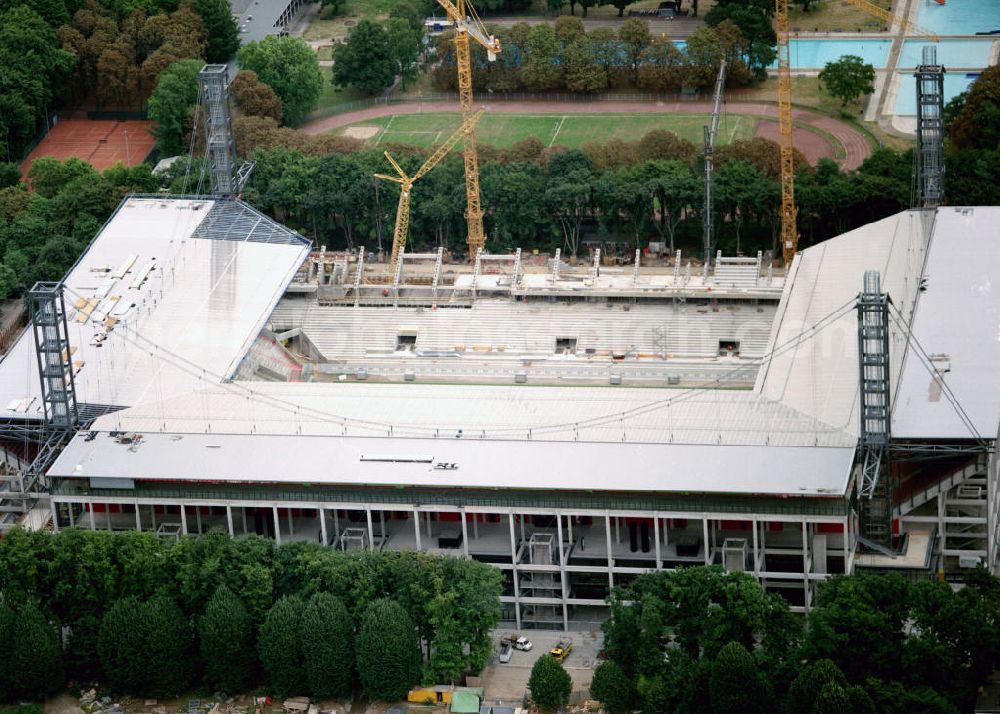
(202, 368)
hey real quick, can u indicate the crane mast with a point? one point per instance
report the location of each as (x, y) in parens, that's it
(789, 232)
(459, 12)
(406, 182)
(710, 132)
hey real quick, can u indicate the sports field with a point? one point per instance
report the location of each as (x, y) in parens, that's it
(569, 130)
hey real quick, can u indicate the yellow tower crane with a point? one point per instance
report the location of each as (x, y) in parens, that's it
(406, 184)
(789, 234)
(467, 24)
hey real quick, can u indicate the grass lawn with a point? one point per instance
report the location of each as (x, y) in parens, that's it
(570, 130)
(832, 15)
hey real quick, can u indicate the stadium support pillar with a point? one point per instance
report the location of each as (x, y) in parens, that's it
(704, 527)
(322, 526)
(465, 534)
(184, 519)
(756, 550)
(607, 535)
(416, 526)
(55, 516)
(656, 542)
(90, 508)
(562, 570)
(138, 518)
(243, 516)
(277, 524)
(371, 531)
(229, 520)
(514, 575)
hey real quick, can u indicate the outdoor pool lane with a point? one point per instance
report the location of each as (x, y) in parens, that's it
(814, 54)
(906, 100)
(959, 17)
(950, 53)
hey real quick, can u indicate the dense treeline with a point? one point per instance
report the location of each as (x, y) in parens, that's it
(562, 56)
(97, 53)
(702, 640)
(623, 193)
(154, 618)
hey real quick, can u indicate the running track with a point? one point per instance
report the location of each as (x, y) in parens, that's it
(856, 146)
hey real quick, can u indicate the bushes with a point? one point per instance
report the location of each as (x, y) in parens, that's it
(129, 604)
(388, 651)
(145, 647)
(327, 646)
(279, 646)
(549, 683)
(227, 643)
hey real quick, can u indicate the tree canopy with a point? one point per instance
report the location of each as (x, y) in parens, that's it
(550, 683)
(388, 653)
(290, 68)
(172, 103)
(848, 78)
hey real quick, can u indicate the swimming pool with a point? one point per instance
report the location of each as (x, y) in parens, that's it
(814, 54)
(959, 17)
(906, 99)
(950, 53)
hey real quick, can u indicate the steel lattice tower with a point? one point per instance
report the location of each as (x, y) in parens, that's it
(930, 130)
(875, 484)
(47, 311)
(220, 148)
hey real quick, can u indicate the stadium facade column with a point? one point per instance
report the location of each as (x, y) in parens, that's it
(513, 563)
(322, 525)
(229, 520)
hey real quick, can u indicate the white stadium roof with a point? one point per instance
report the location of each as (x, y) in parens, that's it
(171, 364)
(196, 278)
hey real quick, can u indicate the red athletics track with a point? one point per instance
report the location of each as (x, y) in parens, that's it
(100, 142)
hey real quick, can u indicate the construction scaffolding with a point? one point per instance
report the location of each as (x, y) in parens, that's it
(929, 155)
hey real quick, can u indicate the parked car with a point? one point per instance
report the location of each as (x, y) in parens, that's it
(506, 652)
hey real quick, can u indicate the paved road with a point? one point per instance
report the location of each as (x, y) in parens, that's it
(855, 144)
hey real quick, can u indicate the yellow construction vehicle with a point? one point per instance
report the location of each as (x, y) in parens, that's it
(562, 649)
(467, 24)
(789, 233)
(406, 184)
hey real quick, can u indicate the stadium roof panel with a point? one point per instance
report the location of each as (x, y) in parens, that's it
(469, 463)
(957, 332)
(813, 364)
(523, 413)
(155, 284)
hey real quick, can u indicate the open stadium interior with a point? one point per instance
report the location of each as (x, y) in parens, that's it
(573, 425)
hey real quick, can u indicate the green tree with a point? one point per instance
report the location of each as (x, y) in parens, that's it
(832, 699)
(568, 29)
(279, 643)
(366, 60)
(735, 685)
(226, 639)
(550, 684)
(975, 119)
(540, 72)
(327, 647)
(582, 71)
(223, 34)
(145, 648)
(10, 174)
(34, 655)
(388, 653)
(805, 688)
(635, 38)
(290, 68)
(170, 105)
(611, 686)
(848, 78)
(404, 48)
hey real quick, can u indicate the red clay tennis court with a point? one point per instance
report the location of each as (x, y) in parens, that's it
(101, 142)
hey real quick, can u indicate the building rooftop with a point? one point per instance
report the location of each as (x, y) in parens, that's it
(956, 333)
(192, 279)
